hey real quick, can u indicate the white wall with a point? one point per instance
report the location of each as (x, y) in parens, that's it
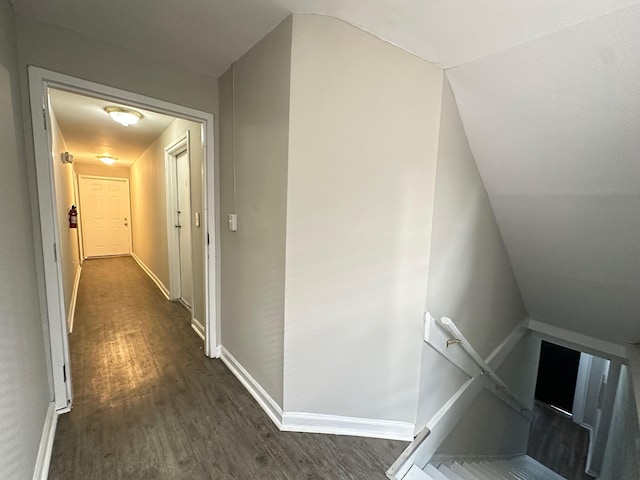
(24, 388)
(362, 157)
(72, 53)
(470, 281)
(65, 197)
(622, 455)
(101, 170)
(149, 212)
(256, 91)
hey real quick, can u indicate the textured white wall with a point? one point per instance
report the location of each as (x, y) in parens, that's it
(149, 212)
(622, 455)
(24, 387)
(253, 257)
(65, 197)
(101, 170)
(362, 156)
(470, 280)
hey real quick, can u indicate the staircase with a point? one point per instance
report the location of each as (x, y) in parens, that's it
(517, 468)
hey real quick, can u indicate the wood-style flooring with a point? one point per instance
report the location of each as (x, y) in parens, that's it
(149, 405)
(558, 443)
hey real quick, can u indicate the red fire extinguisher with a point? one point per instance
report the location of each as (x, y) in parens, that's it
(73, 217)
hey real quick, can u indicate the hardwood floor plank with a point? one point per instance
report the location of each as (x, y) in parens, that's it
(149, 404)
(558, 443)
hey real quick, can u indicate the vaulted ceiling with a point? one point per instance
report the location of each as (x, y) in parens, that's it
(549, 93)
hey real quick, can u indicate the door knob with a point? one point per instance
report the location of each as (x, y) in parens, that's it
(126, 224)
(178, 226)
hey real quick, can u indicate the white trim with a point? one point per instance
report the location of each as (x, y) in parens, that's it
(578, 341)
(339, 425)
(54, 319)
(315, 422)
(43, 460)
(267, 403)
(152, 276)
(74, 298)
(197, 327)
(171, 152)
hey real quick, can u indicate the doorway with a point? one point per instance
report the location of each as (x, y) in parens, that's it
(557, 376)
(40, 84)
(106, 211)
(179, 220)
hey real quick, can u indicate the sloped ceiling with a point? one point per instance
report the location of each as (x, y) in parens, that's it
(555, 129)
(549, 95)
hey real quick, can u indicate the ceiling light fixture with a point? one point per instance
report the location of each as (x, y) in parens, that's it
(107, 159)
(123, 116)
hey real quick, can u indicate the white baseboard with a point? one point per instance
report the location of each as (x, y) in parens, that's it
(198, 327)
(267, 403)
(156, 280)
(339, 425)
(41, 471)
(314, 422)
(74, 298)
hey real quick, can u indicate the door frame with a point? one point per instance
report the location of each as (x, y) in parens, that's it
(170, 155)
(54, 319)
(79, 200)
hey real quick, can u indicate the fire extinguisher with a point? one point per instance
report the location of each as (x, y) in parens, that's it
(73, 217)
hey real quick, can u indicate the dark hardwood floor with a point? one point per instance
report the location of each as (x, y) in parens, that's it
(149, 405)
(558, 443)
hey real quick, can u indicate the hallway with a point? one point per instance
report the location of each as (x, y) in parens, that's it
(149, 405)
(558, 443)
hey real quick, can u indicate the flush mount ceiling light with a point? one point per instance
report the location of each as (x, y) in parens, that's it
(123, 116)
(107, 159)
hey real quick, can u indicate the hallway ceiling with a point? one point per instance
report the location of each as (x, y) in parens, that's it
(548, 93)
(88, 131)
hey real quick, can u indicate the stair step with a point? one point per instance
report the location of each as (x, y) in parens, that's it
(534, 466)
(450, 474)
(434, 472)
(462, 471)
(522, 467)
(415, 473)
(479, 474)
(493, 471)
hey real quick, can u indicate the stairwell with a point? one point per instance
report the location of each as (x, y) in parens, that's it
(521, 467)
(433, 455)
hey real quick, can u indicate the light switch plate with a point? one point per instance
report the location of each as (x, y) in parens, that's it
(233, 222)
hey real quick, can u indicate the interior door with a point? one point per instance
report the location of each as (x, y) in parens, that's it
(184, 227)
(104, 211)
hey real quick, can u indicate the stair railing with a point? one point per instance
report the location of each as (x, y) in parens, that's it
(503, 390)
(482, 375)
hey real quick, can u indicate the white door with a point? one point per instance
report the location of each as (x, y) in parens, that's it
(184, 226)
(104, 211)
